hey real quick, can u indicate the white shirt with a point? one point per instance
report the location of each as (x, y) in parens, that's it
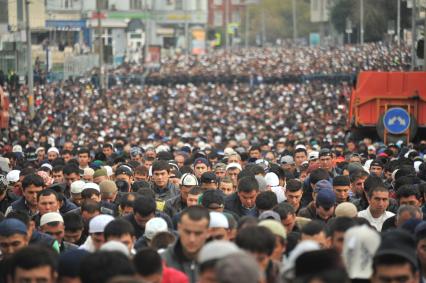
(375, 222)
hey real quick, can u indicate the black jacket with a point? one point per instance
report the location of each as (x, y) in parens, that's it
(139, 231)
(175, 258)
(233, 204)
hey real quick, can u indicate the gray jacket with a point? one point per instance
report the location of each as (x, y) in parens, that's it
(175, 258)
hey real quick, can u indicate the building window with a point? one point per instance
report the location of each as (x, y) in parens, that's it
(102, 4)
(218, 2)
(135, 4)
(236, 16)
(218, 18)
(178, 4)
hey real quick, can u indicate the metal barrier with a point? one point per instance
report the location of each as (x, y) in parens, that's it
(75, 66)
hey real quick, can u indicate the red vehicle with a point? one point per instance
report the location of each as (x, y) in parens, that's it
(377, 94)
(4, 110)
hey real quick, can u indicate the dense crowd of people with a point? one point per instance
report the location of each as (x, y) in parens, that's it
(211, 181)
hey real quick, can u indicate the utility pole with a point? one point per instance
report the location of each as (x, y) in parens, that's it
(413, 35)
(101, 48)
(294, 14)
(263, 26)
(361, 19)
(29, 60)
(398, 23)
(247, 22)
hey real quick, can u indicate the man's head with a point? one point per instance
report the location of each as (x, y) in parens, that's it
(160, 173)
(47, 201)
(100, 175)
(247, 190)
(83, 157)
(287, 214)
(232, 171)
(52, 224)
(120, 230)
(52, 154)
(124, 173)
(109, 191)
(294, 193)
(107, 149)
(31, 186)
(226, 186)
(193, 229)
(193, 196)
(378, 198)
(96, 229)
(376, 168)
(33, 264)
(58, 174)
(325, 203)
(300, 155)
(201, 165)
(13, 236)
(143, 210)
(258, 241)
(208, 181)
(336, 231)
(326, 159)
(407, 212)
(341, 187)
(74, 226)
(218, 227)
(409, 195)
(315, 231)
(148, 265)
(71, 173)
(357, 181)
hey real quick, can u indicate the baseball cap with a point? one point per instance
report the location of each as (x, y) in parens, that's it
(154, 226)
(17, 149)
(323, 185)
(51, 217)
(313, 155)
(269, 214)
(324, 152)
(341, 181)
(400, 243)
(208, 177)
(13, 176)
(216, 250)
(219, 166)
(124, 169)
(234, 165)
(188, 179)
(99, 222)
(377, 163)
(213, 199)
(287, 159)
(360, 243)
(12, 226)
(325, 198)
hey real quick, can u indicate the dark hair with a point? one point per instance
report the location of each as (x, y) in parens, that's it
(162, 240)
(293, 185)
(141, 170)
(125, 200)
(248, 184)
(195, 213)
(318, 175)
(84, 150)
(145, 192)
(372, 182)
(47, 192)
(58, 168)
(32, 257)
(107, 145)
(70, 169)
(160, 165)
(266, 200)
(147, 262)
(101, 266)
(32, 179)
(89, 192)
(20, 215)
(247, 221)
(212, 197)
(340, 224)
(284, 209)
(117, 228)
(407, 191)
(73, 221)
(144, 206)
(392, 261)
(90, 206)
(357, 174)
(313, 228)
(377, 189)
(196, 190)
(256, 239)
(300, 150)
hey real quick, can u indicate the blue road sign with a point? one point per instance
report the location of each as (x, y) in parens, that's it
(396, 120)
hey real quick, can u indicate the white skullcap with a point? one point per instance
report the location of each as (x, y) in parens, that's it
(47, 165)
(272, 179)
(109, 170)
(91, 186)
(17, 148)
(51, 217)
(234, 165)
(218, 220)
(77, 187)
(154, 226)
(13, 176)
(115, 246)
(88, 171)
(99, 222)
(53, 149)
(216, 250)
